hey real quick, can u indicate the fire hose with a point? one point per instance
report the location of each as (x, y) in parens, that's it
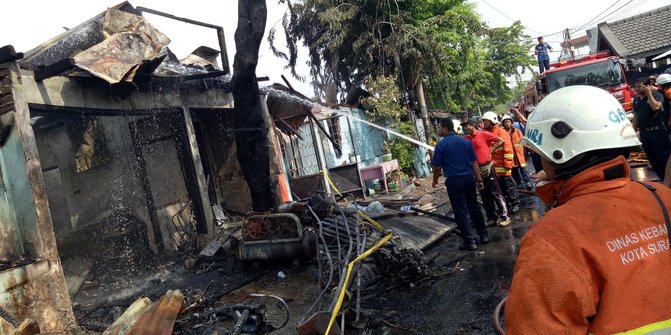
(498, 312)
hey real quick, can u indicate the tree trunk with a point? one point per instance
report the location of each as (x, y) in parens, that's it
(425, 112)
(251, 136)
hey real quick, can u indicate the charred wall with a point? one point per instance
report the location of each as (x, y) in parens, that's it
(229, 181)
(88, 192)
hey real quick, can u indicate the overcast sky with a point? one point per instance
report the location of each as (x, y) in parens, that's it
(28, 23)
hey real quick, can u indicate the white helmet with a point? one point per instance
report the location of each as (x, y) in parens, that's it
(506, 117)
(577, 119)
(664, 79)
(491, 116)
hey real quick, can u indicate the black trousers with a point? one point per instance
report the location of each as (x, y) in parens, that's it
(509, 189)
(657, 148)
(491, 195)
(464, 201)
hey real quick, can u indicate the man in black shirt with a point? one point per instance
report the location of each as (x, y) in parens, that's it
(649, 121)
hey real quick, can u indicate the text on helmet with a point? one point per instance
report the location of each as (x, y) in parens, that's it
(535, 136)
(617, 116)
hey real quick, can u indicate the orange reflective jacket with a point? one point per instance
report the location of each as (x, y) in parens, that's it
(503, 156)
(516, 136)
(597, 264)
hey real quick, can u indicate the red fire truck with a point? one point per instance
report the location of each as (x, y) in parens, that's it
(600, 70)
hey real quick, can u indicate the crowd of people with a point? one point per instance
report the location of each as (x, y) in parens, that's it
(599, 259)
(491, 157)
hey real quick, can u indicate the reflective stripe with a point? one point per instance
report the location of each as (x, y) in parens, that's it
(499, 148)
(508, 155)
(504, 171)
(518, 145)
(523, 165)
(657, 328)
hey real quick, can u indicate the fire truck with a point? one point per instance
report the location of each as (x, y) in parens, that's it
(600, 70)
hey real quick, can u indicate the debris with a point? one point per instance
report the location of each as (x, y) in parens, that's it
(276, 236)
(375, 207)
(250, 318)
(134, 42)
(211, 248)
(281, 275)
(129, 317)
(160, 318)
(27, 327)
(316, 324)
(441, 216)
(220, 215)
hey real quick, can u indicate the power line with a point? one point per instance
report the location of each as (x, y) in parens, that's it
(605, 18)
(508, 17)
(594, 18)
(626, 13)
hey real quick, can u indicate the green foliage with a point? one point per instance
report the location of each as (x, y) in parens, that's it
(383, 105)
(402, 150)
(444, 43)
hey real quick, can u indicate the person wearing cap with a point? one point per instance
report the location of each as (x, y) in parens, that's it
(455, 158)
(598, 262)
(541, 51)
(504, 160)
(484, 143)
(649, 121)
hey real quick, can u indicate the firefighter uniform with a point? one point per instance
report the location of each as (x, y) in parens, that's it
(519, 161)
(596, 264)
(504, 160)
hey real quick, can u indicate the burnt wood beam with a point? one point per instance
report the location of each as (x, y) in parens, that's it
(8, 54)
(47, 71)
(253, 147)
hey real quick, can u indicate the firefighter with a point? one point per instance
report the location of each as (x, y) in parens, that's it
(503, 158)
(649, 121)
(519, 162)
(599, 261)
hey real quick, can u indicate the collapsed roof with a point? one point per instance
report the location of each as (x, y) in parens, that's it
(124, 49)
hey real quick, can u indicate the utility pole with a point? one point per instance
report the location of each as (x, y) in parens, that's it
(567, 48)
(425, 112)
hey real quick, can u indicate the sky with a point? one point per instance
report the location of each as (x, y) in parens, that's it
(32, 22)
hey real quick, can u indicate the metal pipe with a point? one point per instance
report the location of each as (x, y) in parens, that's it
(220, 32)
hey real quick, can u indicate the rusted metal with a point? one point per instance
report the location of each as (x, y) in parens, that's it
(160, 318)
(220, 32)
(276, 236)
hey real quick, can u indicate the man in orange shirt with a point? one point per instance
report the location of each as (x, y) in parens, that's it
(599, 261)
(484, 143)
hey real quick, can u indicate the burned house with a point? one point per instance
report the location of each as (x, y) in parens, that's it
(113, 151)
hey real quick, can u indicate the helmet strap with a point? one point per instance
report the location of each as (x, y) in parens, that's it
(586, 160)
